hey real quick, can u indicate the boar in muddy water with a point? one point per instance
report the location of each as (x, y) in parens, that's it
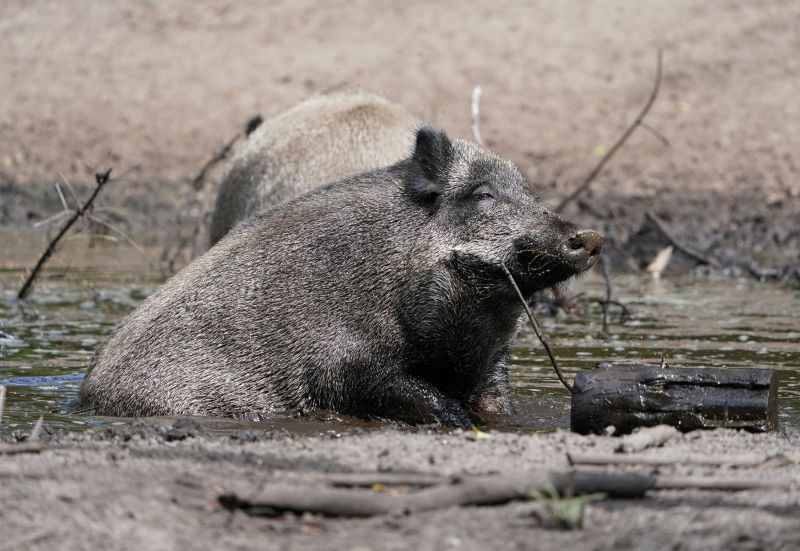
(379, 296)
(327, 137)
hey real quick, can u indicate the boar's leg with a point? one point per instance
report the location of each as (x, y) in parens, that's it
(492, 394)
(417, 401)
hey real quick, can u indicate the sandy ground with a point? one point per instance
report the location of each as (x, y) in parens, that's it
(154, 88)
(155, 485)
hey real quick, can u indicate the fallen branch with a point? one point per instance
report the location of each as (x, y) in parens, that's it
(274, 500)
(687, 250)
(101, 179)
(600, 459)
(368, 480)
(478, 490)
(639, 121)
(536, 328)
(719, 484)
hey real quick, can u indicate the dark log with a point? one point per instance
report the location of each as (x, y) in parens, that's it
(627, 397)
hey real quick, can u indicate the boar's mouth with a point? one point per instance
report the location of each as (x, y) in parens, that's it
(536, 267)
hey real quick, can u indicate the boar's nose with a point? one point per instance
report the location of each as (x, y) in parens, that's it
(583, 249)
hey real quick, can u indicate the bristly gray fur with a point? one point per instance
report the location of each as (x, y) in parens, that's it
(380, 295)
(328, 137)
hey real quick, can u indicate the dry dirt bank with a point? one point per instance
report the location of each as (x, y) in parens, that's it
(158, 87)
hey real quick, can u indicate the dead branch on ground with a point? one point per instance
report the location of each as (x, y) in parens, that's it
(686, 249)
(102, 179)
(370, 480)
(536, 328)
(600, 459)
(639, 121)
(275, 499)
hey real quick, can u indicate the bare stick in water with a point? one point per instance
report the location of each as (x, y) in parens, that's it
(475, 115)
(536, 328)
(36, 432)
(2, 401)
(604, 304)
(102, 179)
(620, 141)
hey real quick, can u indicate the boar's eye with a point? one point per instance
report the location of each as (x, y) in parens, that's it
(483, 192)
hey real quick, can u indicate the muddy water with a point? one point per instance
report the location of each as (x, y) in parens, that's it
(45, 347)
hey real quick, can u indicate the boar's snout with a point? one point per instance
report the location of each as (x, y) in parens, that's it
(582, 249)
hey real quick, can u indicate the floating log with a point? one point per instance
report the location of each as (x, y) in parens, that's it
(627, 397)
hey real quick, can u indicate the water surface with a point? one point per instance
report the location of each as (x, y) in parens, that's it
(45, 346)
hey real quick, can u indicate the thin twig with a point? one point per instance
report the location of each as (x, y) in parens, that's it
(687, 250)
(61, 196)
(659, 136)
(733, 484)
(369, 480)
(536, 328)
(37, 430)
(122, 234)
(2, 402)
(604, 304)
(50, 219)
(620, 141)
(200, 179)
(608, 301)
(70, 188)
(601, 459)
(475, 115)
(277, 499)
(102, 179)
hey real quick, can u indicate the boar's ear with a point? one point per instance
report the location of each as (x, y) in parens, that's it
(432, 154)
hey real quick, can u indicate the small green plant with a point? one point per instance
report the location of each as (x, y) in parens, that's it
(568, 511)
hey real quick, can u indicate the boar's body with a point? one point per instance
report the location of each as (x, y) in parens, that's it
(325, 138)
(378, 296)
